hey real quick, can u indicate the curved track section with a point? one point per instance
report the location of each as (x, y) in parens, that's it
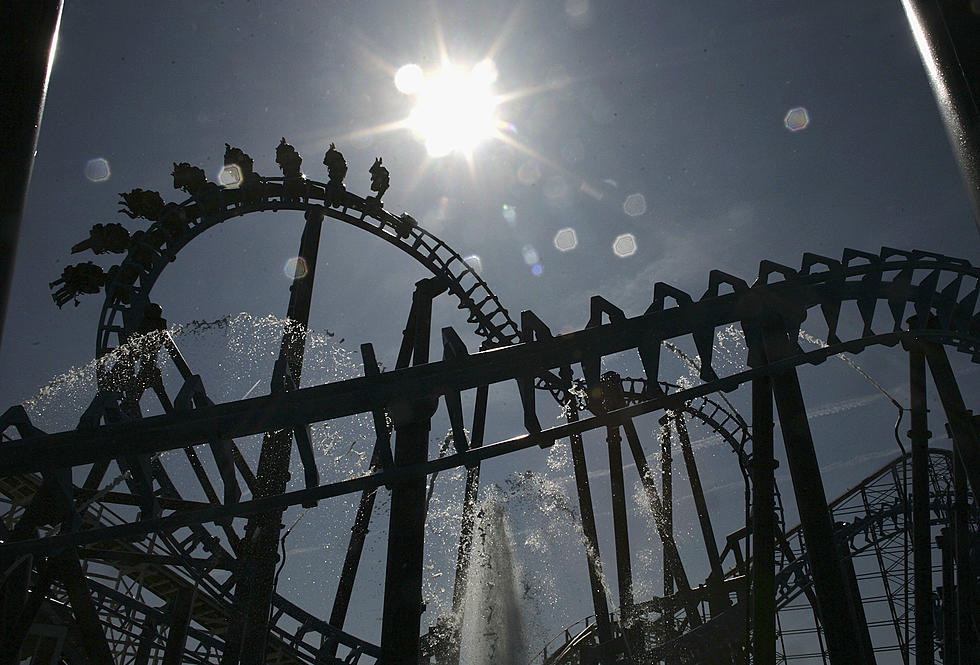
(139, 271)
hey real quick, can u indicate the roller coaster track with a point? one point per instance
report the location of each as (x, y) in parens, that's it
(869, 516)
(941, 292)
(493, 323)
(784, 303)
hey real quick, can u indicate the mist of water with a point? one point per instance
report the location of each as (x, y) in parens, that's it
(492, 629)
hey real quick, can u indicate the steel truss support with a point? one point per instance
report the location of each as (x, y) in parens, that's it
(667, 488)
(68, 569)
(965, 445)
(18, 623)
(248, 632)
(589, 532)
(381, 457)
(763, 526)
(672, 559)
(966, 476)
(966, 632)
(717, 599)
(612, 398)
(470, 497)
(402, 612)
(837, 606)
(921, 528)
(180, 614)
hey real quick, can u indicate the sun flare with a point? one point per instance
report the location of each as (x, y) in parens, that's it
(455, 109)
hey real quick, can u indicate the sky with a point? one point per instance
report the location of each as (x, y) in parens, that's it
(666, 122)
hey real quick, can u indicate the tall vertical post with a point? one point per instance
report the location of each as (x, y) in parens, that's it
(667, 490)
(589, 529)
(402, 611)
(180, 618)
(763, 526)
(612, 398)
(966, 474)
(946, 546)
(28, 37)
(624, 569)
(965, 444)
(352, 560)
(965, 608)
(717, 599)
(471, 493)
(248, 631)
(921, 530)
(68, 569)
(362, 519)
(836, 604)
(18, 623)
(672, 558)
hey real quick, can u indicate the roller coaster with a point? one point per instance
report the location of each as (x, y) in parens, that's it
(96, 573)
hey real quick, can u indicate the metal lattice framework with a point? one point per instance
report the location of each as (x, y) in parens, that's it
(110, 572)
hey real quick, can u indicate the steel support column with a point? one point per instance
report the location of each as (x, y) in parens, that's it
(763, 526)
(381, 456)
(612, 398)
(68, 569)
(965, 614)
(966, 475)
(471, 493)
(921, 529)
(836, 604)
(667, 492)
(718, 599)
(580, 467)
(624, 569)
(402, 612)
(965, 444)
(944, 541)
(248, 630)
(16, 627)
(863, 649)
(180, 618)
(672, 558)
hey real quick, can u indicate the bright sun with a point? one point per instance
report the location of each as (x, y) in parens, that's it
(455, 109)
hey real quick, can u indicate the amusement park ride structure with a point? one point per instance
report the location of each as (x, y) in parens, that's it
(86, 579)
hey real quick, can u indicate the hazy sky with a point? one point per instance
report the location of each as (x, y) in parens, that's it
(682, 104)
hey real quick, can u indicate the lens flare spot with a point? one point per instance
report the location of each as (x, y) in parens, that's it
(624, 245)
(230, 176)
(530, 254)
(635, 205)
(409, 79)
(536, 270)
(566, 240)
(295, 268)
(796, 119)
(556, 189)
(529, 173)
(591, 190)
(510, 214)
(97, 169)
(475, 263)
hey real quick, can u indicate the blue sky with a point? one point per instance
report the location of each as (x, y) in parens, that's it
(682, 103)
